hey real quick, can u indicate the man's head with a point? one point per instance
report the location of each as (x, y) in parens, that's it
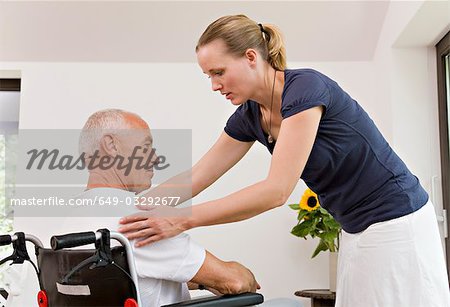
(117, 146)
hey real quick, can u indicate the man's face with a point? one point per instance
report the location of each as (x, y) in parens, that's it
(136, 147)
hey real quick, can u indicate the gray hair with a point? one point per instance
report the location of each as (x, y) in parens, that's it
(108, 121)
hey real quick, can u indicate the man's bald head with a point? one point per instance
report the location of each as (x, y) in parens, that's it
(109, 121)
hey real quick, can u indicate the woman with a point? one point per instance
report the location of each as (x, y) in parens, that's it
(390, 251)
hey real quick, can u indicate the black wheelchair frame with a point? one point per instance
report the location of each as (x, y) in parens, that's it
(61, 283)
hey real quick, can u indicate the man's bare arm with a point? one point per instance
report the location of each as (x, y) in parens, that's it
(224, 277)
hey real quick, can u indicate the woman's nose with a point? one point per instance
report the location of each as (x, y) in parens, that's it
(216, 86)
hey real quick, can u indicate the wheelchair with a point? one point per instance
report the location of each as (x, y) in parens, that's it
(104, 276)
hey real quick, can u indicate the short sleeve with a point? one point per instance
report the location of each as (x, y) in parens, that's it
(177, 259)
(239, 124)
(304, 91)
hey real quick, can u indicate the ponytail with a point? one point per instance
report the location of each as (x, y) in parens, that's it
(276, 52)
(241, 33)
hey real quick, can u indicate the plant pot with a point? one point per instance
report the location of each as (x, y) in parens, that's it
(333, 270)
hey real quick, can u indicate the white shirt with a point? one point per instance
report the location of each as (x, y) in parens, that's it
(163, 267)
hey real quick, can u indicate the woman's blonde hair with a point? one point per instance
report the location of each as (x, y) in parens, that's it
(241, 33)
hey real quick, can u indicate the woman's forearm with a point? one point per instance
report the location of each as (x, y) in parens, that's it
(178, 187)
(184, 186)
(241, 205)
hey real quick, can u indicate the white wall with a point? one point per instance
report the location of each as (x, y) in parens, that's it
(405, 67)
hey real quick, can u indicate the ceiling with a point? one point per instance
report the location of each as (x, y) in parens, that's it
(167, 31)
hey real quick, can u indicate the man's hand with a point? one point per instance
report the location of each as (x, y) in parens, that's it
(194, 286)
(246, 282)
(225, 277)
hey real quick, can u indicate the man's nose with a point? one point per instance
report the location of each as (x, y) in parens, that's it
(155, 158)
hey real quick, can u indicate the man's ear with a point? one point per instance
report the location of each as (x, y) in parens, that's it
(251, 56)
(108, 144)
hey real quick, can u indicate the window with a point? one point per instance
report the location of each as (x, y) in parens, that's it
(5, 220)
(9, 115)
(443, 70)
(447, 77)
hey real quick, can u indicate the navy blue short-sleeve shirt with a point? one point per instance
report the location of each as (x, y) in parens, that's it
(358, 177)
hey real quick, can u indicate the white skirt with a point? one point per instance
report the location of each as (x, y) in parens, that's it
(395, 263)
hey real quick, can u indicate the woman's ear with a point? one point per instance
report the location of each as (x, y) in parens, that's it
(251, 56)
(108, 144)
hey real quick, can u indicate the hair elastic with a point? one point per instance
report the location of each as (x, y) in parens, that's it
(261, 28)
(266, 34)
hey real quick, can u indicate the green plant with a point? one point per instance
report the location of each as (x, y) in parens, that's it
(5, 218)
(315, 221)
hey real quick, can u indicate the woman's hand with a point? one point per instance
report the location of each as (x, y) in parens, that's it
(155, 224)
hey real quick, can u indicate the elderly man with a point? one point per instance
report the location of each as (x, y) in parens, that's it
(164, 268)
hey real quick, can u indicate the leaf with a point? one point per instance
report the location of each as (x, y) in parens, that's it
(302, 214)
(321, 247)
(302, 229)
(330, 240)
(294, 206)
(323, 211)
(331, 223)
(330, 236)
(320, 225)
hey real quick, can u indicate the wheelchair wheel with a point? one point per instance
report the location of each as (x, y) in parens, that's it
(42, 299)
(130, 302)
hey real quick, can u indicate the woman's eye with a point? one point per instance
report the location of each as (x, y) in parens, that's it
(216, 73)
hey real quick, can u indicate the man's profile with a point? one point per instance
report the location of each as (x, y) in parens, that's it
(166, 267)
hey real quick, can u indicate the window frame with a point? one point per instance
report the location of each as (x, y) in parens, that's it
(443, 50)
(10, 85)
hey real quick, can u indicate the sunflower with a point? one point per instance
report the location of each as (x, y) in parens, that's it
(314, 221)
(309, 201)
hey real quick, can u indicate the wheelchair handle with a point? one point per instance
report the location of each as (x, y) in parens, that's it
(8, 239)
(5, 240)
(73, 240)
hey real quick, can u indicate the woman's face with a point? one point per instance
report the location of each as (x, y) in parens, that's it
(232, 76)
